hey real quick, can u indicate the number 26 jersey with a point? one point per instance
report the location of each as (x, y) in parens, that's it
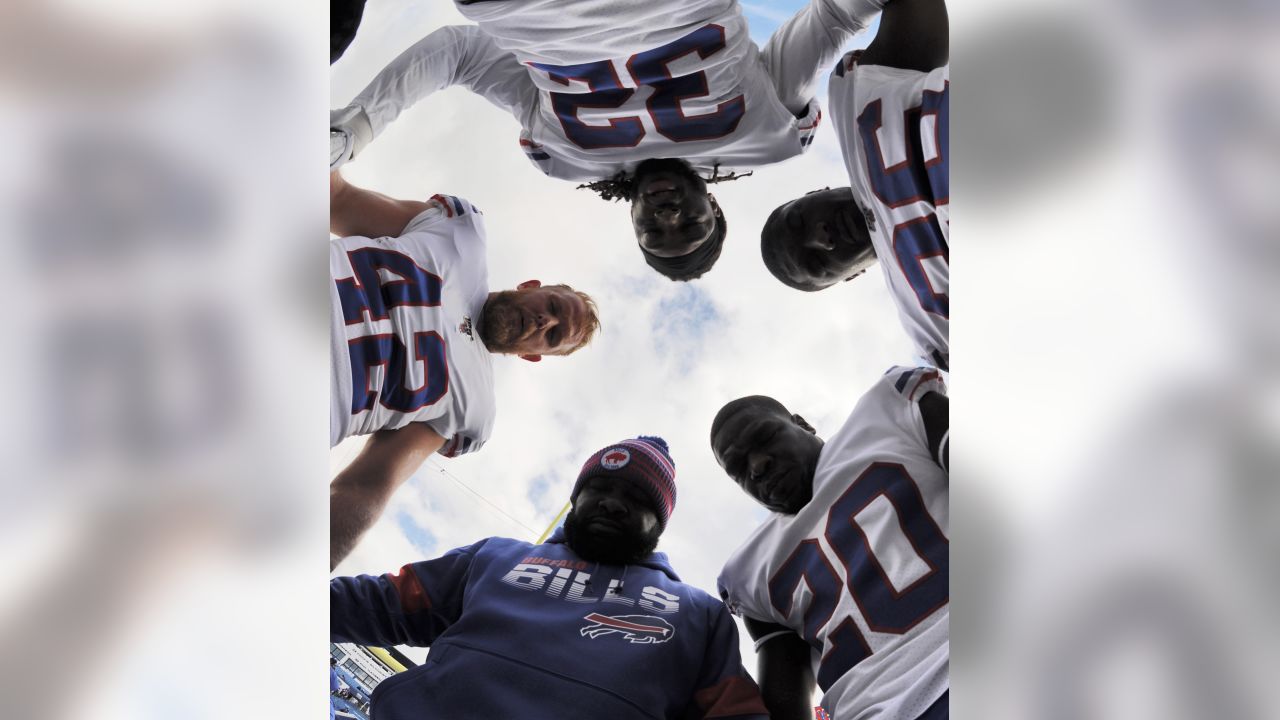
(893, 130)
(861, 571)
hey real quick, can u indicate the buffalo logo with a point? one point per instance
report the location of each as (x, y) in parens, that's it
(615, 459)
(637, 629)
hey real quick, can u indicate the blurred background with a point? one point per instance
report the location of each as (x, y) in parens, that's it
(1116, 374)
(162, 200)
(1116, 357)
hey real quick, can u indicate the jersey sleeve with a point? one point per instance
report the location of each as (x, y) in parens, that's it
(411, 607)
(805, 44)
(442, 209)
(451, 55)
(913, 382)
(724, 689)
(901, 388)
(460, 444)
(737, 599)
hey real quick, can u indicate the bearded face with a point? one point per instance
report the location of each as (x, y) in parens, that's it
(501, 322)
(595, 541)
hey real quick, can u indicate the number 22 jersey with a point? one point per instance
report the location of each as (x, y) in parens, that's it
(861, 571)
(405, 345)
(893, 130)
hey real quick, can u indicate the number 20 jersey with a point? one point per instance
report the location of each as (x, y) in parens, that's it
(861, 571)
(619, 81)
(893, 130)
(403, 329)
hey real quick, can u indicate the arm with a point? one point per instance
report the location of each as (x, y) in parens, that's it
(412, 607)
(724, 690)
(809, 42)
(453, 55)
(357, 211)
(785, 666)
(359, 493)
(913, 35)
(934, 408)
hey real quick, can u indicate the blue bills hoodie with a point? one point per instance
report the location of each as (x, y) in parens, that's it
(533, 631)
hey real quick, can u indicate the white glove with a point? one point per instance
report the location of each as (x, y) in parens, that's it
(349, 132)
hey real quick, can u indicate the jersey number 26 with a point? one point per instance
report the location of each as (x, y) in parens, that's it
(922, 176)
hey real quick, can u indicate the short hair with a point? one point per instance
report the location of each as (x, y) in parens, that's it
(733, 407)
(694, 265)
(769, 253)
(592, 320)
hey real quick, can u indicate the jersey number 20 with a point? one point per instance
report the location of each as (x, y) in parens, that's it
(886, 608)
(370, 292)
(649, 68)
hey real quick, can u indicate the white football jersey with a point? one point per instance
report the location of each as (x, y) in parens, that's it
(892, 125)
(861, 571)
(620, 82)
(600, 85)
(403, 329)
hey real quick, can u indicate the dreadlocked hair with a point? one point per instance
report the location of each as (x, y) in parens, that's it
(618, 187)
(623, 186)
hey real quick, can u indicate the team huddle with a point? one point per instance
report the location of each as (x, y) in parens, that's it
(845, 585)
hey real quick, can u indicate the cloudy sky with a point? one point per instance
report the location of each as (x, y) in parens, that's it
(670, 355)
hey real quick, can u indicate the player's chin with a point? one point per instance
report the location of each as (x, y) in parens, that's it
(789, 496)
(673, 249)
(596, 542)
(500, 327)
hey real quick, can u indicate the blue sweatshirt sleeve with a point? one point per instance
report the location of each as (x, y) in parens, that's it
(725, 691)
(412, 607)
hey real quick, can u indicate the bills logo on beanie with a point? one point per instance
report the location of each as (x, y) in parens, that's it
(615, 459)
(644, 461)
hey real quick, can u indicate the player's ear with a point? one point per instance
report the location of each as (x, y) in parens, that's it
(528, 284)
(795, 418)
(531, 358)
(715, 206)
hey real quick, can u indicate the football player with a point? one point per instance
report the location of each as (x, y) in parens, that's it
(646, 101)
(592, 623)
(414, 327)
(846, 582)
(889, 105)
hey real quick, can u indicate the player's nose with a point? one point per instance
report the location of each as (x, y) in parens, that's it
(757, 465)
(819, 238)
(613, 505)
(667, 215)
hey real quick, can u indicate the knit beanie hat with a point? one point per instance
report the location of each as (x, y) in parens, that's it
(644, 461)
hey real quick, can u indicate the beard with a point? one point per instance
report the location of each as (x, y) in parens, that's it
(628, 548)
(500, 322)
